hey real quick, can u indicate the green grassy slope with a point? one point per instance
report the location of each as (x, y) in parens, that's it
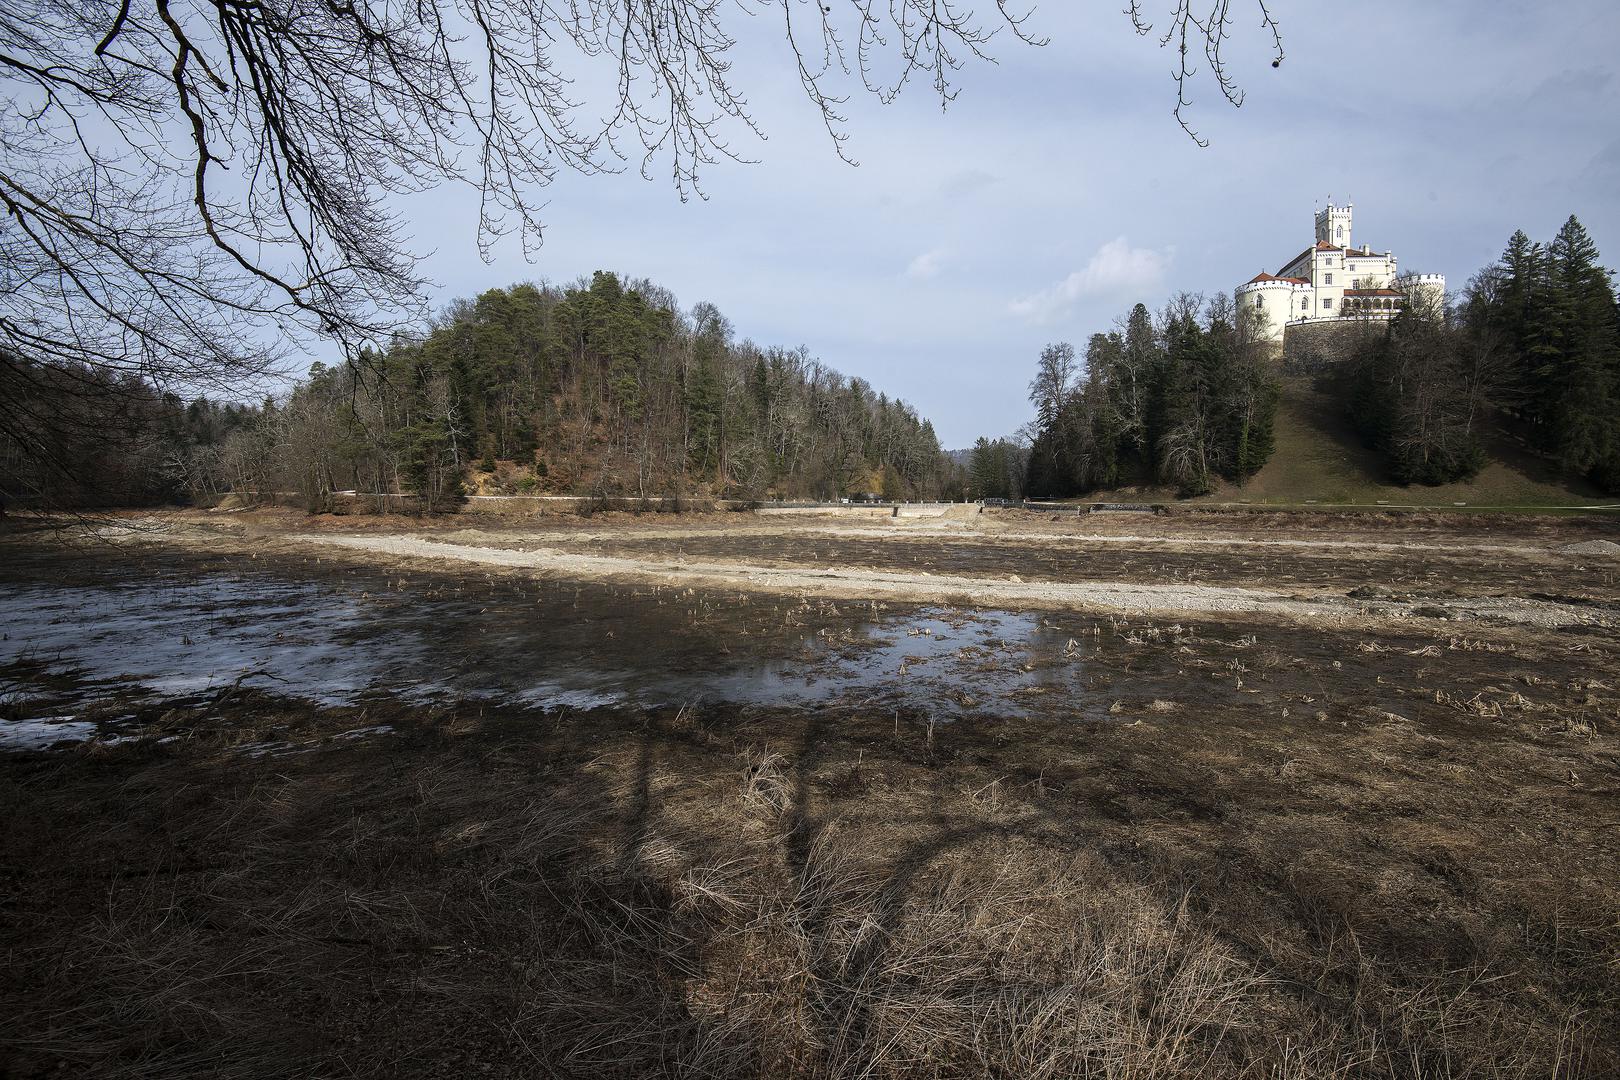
(1320, 459)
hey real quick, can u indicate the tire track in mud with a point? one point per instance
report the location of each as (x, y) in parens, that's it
(858, 583)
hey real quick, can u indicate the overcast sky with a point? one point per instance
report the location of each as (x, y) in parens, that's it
(1057, 190)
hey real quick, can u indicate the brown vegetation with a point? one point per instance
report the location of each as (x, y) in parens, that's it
(1249, 849)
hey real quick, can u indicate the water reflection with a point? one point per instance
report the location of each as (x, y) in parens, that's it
(337, 639)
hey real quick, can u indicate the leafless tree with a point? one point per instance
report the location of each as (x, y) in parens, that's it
(1054, 381)
(190, 187)
(1193, 27)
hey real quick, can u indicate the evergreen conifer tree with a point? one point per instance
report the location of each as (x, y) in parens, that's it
(1578, 354)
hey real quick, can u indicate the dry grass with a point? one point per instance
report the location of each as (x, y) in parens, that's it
(1368, 852)
(692, 895)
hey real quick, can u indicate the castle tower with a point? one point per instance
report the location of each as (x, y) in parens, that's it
(1427, 288)
(1333, 225)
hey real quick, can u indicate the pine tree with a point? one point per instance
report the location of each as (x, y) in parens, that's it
(1519, 295)
(1133, 391)
(1579, 352)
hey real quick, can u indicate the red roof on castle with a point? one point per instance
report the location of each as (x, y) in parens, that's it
(1318, 246)
(1373, 292)
(1323, 245)
(1263, 276)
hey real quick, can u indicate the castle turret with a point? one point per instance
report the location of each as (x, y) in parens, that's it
(1427, 288)
(1333, 224)
(1272, 303)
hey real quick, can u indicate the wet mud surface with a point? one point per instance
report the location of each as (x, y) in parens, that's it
(161, 627)
(328, 812)
(78, 629)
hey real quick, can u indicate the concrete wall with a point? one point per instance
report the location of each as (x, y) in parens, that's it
(853, 510)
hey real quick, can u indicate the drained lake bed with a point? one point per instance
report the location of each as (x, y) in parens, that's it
(179, 631)
(390, 808)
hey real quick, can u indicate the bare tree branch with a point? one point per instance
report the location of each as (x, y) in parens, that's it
(183, 181)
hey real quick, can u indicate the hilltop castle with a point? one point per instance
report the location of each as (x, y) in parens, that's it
(1331, 279)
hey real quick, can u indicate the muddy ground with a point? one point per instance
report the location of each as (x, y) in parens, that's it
(1193, 796)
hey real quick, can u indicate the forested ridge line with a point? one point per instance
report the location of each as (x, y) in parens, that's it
(1527, 355)
(605, 387)
(1529, 351)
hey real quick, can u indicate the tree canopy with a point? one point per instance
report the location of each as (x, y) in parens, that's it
(1182, 401)
(190, 185)
(604, 387)
(1532, 345)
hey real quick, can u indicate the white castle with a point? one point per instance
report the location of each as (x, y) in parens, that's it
(1332, 279)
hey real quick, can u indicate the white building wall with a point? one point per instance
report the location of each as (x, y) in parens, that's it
(1377, 269)
(1432, 286)
(1300, 302)
(1327, 275)
(1273, 298)
(1333, 226)
(1327, 281)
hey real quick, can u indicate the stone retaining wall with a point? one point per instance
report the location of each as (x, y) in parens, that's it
(1311, 347)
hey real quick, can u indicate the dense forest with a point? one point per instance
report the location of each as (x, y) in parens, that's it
(1532, 343)
(601, 388)
(1182, 400)
(607, 388)
(76, 435)
(996, 469)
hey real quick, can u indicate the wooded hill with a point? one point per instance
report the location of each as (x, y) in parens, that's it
(605, 387)
(1185, 401)
(1507, 393)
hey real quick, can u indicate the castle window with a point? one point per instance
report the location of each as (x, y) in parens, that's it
(1327, 279)
(1259, 301)
(1339, 232)
(1327, 301)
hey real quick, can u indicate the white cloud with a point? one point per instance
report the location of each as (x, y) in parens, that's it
(927, 265)
(1116, 270)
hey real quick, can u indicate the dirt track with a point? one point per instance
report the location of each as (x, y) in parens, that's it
(923, 586)
(1518, 569)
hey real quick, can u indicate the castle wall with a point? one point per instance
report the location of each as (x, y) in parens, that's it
(1316, 346)
(1432, 287)
(1377, 269)
(1328, 284)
